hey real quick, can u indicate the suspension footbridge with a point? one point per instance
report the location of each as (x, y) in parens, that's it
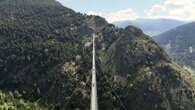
(94, 100)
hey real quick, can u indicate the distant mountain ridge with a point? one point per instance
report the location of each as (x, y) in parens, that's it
(180, 43)
(152, 26)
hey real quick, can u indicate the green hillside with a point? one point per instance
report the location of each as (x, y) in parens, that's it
(179, 44)
(46, 52)
(10, 102)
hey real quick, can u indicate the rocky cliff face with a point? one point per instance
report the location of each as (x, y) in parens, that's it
(45, 56)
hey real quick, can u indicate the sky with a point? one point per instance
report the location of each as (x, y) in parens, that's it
(121, 10)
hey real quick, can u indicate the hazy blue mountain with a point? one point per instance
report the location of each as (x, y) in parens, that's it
(180, 43)
(152, 26)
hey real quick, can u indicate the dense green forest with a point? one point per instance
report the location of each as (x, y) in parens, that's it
(45, 62)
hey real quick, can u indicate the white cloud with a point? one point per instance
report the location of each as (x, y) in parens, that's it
(174, 9)
(121, 15)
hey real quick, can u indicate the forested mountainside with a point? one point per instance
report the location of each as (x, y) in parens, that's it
(45, 59)
(8, 101)
(180, 44)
